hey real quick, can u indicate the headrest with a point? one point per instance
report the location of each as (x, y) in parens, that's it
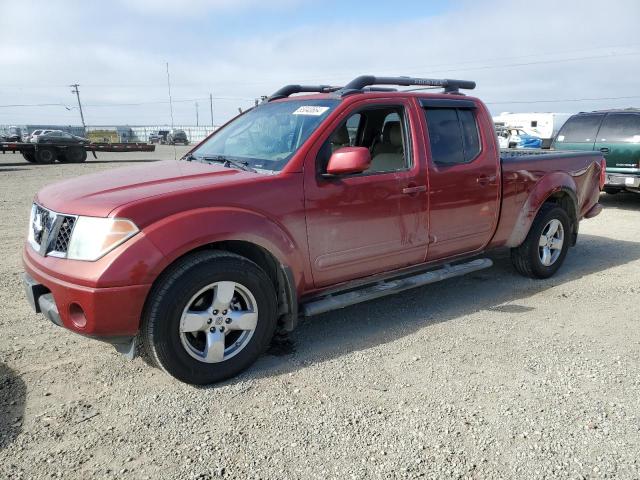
(341, 136)
(392, 134)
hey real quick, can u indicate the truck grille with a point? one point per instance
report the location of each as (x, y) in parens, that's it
(50, 231)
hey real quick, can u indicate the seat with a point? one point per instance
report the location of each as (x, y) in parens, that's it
(340, 138)
(388, 155)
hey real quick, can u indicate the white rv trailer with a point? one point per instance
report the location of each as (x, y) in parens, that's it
(541, 124)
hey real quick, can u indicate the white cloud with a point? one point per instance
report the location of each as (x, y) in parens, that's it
(124, 61)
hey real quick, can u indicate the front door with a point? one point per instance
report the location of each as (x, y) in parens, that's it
(376, 221)
(464, 178)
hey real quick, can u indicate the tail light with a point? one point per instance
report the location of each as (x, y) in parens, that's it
(603, 173)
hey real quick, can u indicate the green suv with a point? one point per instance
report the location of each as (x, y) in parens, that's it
(616, 133)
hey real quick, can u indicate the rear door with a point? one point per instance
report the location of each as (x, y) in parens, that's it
(464, 177)
(619, 142)
(579, 132)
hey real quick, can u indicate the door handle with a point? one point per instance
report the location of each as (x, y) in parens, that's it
(604, 150)
(414, 190)
(486, 180)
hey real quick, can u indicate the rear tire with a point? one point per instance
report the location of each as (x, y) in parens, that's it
(545, 247)
(612, 191)
(185, 335)
(46, 155)
(29, 157)
(73, 155)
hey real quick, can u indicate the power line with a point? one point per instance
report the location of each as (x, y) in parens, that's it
(564, 100)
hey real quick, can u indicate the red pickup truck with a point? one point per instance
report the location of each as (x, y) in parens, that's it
(304, 204)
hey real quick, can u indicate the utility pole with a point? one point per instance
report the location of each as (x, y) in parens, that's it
(77, 92)
(170, 101)
(211, 107)
(197, 120)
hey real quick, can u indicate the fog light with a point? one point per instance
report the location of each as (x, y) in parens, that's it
(77, 315)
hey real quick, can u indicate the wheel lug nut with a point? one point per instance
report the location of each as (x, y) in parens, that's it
(209, 322)
(224, 312)
(227, 321)
(222, 329)
(215, 312)
(212, 329)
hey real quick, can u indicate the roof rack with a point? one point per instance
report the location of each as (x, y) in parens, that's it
(291, 89)
(365, 83)
(450, 86)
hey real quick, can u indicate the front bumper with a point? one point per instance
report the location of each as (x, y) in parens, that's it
(110, 314)
(622, 181)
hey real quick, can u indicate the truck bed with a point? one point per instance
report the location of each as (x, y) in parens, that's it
(529, 175)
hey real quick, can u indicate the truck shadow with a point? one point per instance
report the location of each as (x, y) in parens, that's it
(13, 394)
(498, 289)
(621, 201)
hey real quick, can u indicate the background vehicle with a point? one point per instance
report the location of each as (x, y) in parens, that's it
(35, 134)
(540, 124)
(509, 137)
(159, 136)
(177, 136)
(13, 134)
(301, 205)
(60, 138)
(614, 133)
(65, 150)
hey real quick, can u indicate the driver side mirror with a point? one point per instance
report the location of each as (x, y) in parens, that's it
(349, 160)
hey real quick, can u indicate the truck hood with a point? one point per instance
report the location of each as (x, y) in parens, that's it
(99, 194)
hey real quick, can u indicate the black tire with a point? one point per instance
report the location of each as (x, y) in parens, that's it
(612, 191)
(73, 155)
(526, 257)
(29, 157)
(161, 343)
(46, 155)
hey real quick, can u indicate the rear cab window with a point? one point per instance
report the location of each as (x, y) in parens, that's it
(453, 135)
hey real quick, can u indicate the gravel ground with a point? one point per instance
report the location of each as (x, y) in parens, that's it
(486, 376)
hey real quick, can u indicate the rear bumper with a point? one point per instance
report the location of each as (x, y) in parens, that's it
(108, 314)
(621, 180)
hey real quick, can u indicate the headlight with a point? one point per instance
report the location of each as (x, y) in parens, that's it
(94, 237)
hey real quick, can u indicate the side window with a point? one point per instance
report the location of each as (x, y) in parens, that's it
(620, 127)
(580, 129)
(470, 137)
(445, 136)
(453, 135)
(382, 130)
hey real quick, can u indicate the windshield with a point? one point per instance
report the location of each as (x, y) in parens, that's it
(267, 136)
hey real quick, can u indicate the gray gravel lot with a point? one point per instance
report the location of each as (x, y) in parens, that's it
(486, 376)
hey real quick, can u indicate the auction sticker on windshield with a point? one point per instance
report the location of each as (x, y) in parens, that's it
(310, 110)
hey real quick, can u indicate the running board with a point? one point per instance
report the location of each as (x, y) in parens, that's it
(381, 289)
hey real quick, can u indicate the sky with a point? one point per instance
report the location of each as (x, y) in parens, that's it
(529, 56)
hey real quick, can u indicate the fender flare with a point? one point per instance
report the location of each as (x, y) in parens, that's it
(548, 186)
(179, 234)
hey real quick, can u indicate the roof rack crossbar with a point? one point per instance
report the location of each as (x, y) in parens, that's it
(288, 90)
(449, 85)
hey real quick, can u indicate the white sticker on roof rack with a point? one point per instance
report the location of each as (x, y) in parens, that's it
(311, 110)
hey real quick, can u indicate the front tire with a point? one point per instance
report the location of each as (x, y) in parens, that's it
(545, 248)
(210, 316)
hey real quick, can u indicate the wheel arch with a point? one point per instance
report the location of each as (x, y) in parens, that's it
(556, 188)
(280, 274)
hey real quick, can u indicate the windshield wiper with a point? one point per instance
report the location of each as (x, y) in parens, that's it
(227, 162)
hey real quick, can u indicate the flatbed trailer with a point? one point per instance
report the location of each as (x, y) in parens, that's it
(64, 153)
